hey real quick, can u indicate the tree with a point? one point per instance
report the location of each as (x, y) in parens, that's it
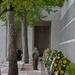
(24, 38)
(13, 69)
(12, 57)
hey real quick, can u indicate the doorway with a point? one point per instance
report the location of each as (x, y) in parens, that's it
(41, 38)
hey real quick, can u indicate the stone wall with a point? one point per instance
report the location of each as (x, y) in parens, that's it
(67, 32)
(55, 28)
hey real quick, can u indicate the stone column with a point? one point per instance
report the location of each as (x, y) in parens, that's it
(30, 42)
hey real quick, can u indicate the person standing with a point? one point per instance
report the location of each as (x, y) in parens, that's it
(19, 54)
(35, 56)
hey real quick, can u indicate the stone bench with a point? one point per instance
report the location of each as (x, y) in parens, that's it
(20, 64)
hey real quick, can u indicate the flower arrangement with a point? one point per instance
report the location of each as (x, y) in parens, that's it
(46, 56)
(57, 66)
(60, 65)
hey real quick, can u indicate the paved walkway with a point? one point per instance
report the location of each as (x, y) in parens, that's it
(28, 69)
(43, 69)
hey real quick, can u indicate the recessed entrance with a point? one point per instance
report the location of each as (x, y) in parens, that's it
(42, 37)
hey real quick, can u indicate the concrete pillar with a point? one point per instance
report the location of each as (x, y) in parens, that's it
(2, 42)
(30, 42)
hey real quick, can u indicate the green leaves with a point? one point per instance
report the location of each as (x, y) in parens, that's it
(33, 8)
(71, 69)
(3, 4)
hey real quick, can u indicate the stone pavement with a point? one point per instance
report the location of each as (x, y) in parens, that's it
(37, 72)
(27, 69)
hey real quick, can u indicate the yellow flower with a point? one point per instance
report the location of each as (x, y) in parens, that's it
(64, 61)
(61, 72)
(55, 64)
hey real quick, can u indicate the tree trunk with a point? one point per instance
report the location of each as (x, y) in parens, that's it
(12, 57)
(24, 38)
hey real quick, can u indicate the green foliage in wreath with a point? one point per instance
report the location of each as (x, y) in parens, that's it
(71, 69)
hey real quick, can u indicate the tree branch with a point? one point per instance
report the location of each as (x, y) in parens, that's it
(5, 10)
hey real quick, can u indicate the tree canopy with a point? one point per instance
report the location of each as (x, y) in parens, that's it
(32, 8)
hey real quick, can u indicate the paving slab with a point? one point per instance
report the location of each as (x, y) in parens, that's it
(19, 73)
